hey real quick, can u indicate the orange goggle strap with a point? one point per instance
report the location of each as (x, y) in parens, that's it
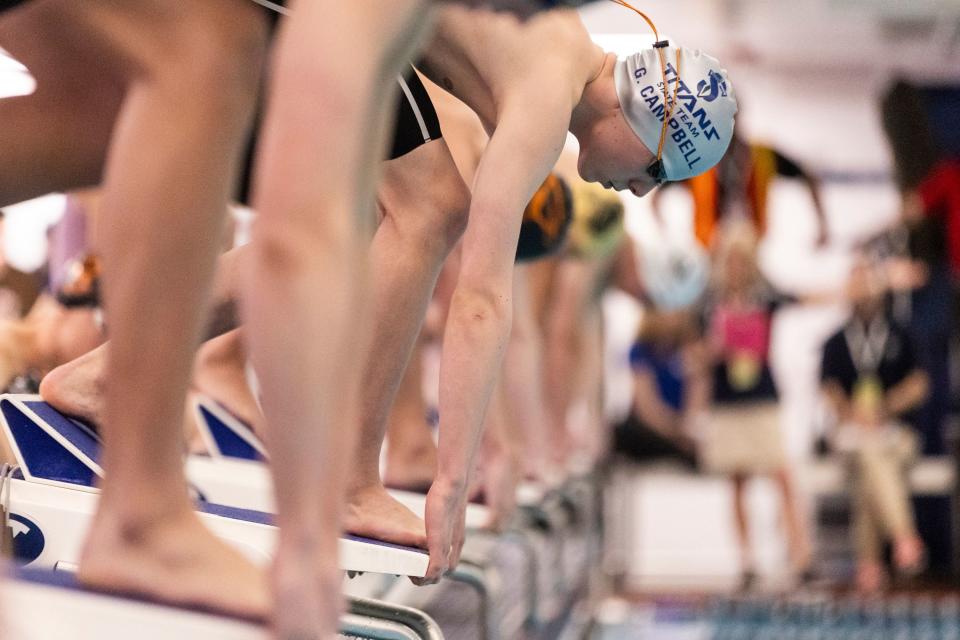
(659, 45)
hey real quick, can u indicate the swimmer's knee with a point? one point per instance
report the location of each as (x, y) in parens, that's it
(454, 202)
(428, 212)
(287, 250)
(436, 215)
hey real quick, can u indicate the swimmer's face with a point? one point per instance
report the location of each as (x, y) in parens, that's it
(613, 155)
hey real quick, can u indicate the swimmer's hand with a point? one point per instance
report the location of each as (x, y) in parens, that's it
(445, 520)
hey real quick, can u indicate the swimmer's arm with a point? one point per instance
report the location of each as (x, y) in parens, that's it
(518, 158)
(478, 140)
(563, 334)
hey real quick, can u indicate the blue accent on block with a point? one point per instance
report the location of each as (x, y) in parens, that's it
(228, 441)
(43, 456)
(68, 580)
(47, 577)
(235, 513)
(82, 437)
(28, 539)
(260, 517)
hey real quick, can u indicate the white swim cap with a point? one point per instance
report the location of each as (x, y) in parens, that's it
(675, 275)
(701, 125)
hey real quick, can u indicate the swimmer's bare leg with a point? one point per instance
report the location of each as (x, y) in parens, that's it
(76, 388)
(563, 342)
(324, 134)
(500, 458)
(425, 204)
(411, 458)
(163, 209)
(596, 435)
(523, 382)
(220, 373)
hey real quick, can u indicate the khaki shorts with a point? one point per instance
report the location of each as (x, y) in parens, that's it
(744, 439)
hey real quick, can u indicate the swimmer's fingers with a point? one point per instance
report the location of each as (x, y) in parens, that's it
(440, 520)
(456, 546)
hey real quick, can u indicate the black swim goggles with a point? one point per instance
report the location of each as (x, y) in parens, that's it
(657, 170)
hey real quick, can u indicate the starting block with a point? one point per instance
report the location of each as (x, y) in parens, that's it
(231, 441)
(234, 473)
(478, 515)
(29, 596)
(51, 498)
(540, 550)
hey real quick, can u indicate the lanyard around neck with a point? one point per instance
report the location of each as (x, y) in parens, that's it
(866, 343)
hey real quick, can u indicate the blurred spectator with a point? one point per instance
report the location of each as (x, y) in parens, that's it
(871, 377)
(743, 436)
(930, 184)
(670, 388)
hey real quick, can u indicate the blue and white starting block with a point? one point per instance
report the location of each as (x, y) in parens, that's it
(234, 473)
(30, 595)
(51, 497)
(232, 442)
(526, 578)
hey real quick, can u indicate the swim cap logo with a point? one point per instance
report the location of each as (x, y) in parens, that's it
(28, 540)
(713, 89)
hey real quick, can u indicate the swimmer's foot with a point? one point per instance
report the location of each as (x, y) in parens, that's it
(561, 450)
(172, 558)
(373, 513)
(222, 377)
(77, 387)
(538, 467)
(307, 593)
(410, 468)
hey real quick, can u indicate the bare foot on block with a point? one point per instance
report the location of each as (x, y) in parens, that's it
(373, 513)
(174, 559)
